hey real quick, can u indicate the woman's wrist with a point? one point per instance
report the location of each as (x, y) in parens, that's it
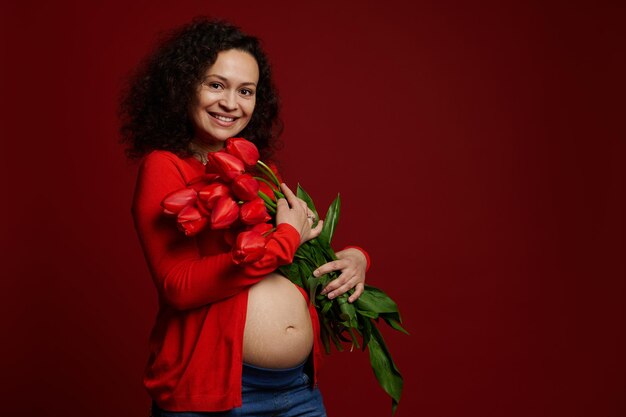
(364, 252)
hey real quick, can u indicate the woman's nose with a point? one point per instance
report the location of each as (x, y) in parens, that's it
(229, 101)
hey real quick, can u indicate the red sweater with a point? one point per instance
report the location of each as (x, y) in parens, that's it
(195, 347)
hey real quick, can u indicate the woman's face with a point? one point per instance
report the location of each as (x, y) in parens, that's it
(225, 99)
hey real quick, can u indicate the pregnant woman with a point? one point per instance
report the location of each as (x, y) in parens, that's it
(228, 340)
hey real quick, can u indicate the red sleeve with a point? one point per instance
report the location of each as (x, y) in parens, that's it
(183, 277)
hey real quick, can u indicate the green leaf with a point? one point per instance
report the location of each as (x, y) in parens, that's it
(326, 305)
(305, 251)
(355, 340)
(309, 202)
(330, 222)
(305, 274)
(366, 331)
(375, 300)
(312, 284)
(318, 256)
(387, 374)
(394, 324)
(336, 341)
(292, 272)
(367, 313)
(324, 334)
(348, 312)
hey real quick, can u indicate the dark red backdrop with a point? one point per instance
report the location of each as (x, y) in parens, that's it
(479, 152)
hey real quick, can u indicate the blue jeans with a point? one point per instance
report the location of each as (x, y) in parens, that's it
(267, 392)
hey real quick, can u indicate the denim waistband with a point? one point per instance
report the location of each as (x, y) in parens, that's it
(256, 376)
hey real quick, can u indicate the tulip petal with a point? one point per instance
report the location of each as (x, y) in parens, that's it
(177, 200)
(225, 165)
(249, 247)
(191, 221)
(254, 212)
(224, 213)
(262, 228)
(201, 181)
(193, 228)
(243, 149)
(245, 187)
(203, 209)
(213, 192)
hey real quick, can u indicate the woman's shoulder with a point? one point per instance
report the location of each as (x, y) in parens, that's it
(158, 165)
(160, 158)
(157, 155)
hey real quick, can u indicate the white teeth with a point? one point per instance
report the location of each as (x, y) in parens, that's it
(223, 118)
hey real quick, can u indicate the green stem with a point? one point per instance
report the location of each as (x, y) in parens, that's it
(355, 341)
(329, 334)
(265, 181)
(269, 172)
(269, 203)
(272, 230)
(336, 341)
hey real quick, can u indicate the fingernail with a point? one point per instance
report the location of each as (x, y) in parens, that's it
(331, 295)
(316, 273)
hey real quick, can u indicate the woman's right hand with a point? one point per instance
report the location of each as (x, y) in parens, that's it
(295, 212)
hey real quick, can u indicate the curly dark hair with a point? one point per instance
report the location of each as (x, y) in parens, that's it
(154, 102)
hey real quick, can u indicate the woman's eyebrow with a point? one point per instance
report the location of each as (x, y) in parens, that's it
(226, 79)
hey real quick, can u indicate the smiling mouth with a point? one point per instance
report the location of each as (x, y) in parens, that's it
(223, 118)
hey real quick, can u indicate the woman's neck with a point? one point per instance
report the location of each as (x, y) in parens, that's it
(200, 150)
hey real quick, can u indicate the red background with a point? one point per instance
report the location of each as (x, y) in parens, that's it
(479, 151)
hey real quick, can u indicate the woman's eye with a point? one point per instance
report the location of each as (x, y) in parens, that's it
(213, 85)
(246, 92)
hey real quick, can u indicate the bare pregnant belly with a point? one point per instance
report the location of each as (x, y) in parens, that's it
(278, 332)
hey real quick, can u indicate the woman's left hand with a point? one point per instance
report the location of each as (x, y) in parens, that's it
(352, 264)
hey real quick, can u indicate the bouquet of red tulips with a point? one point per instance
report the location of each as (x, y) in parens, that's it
(229, 197)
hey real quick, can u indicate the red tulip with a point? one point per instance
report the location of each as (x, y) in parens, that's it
(210, 172)
(243, 149)
(201, 181)
(203, 209)
(177, 200)
(254, 212)
(250, 247)
(213, 192)
(212, 176)
(230, 235)
(262, 228)
(225, 212)
(225, 165)
(191, 221)
(245, 187)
